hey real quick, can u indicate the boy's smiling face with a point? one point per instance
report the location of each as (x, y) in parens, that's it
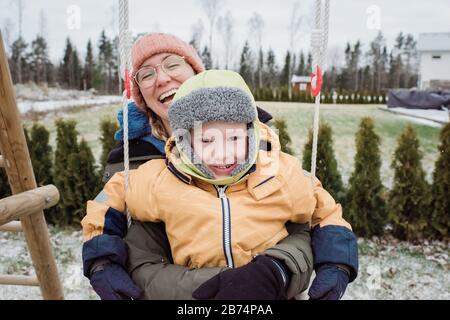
(222, 146)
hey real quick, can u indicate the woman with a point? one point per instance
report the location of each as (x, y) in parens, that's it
(161, 63)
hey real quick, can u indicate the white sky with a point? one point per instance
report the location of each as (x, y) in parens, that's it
(348, 21)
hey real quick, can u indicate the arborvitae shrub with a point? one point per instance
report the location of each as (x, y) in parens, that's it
(409, 199)
(366, 207)
(66, 145)
(107, 128)
(41, 154)
(440, 218)
(84, 183)
(283, 134)
(326, 164)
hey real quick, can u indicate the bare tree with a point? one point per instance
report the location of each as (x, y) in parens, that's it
(21, 8)
(197, 35)
(211, 8)
(296, 22)
(8, 26)
(42, 24)
(226, 30)
(256, 24)
(113, 13)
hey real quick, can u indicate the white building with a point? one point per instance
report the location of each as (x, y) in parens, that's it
(434, 60)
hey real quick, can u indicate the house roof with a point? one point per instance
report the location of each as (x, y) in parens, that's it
(434, 42)
(301, 79)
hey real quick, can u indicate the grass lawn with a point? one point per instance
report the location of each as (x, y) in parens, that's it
(344, 120)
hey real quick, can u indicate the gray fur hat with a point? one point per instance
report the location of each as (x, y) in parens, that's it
(213, 95)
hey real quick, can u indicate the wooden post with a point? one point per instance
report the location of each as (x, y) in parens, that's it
(13, 226)
(18, 280)
(21, 178)
(23, 204)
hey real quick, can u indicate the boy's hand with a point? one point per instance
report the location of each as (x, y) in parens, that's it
(112, 282)
(330, 282)
(262, 279)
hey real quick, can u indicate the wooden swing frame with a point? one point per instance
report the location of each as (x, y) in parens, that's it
(27, 201)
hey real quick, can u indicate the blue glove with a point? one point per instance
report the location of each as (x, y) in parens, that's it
(112, 282)
(330, 283)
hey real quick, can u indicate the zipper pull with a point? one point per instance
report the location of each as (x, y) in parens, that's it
(221, 191)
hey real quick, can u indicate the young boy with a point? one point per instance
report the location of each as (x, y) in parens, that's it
(225, 193)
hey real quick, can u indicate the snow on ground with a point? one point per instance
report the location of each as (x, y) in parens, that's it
(31, 97)
(389, 269)
(39, 106)
(430, 117)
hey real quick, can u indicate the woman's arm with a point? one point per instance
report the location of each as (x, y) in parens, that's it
(151, 266)
(296, 253)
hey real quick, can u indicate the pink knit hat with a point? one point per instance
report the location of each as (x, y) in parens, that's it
(154, 43)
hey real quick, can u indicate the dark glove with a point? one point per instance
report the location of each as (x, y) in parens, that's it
(112, 282)
(330, 282)
(264, 278)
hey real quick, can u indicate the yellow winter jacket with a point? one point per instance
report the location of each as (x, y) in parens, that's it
(211, 225)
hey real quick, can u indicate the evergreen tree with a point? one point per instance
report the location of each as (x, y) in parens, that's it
(260, 69)
(108, 129)
(440, 220)
(309, 62)
(409, 197)
(245, 68)
(66, 71)
(283, 134)
(19, 61)
(41, 154)
(89, 67)
(301, 70)
(39, 60)
(376, 57)
(77, 71)
(206, 58)
(366, 205)
(271, 71)
(84, 182)
(66, 145)
(284, 75)
(105, 62)
(326, 164)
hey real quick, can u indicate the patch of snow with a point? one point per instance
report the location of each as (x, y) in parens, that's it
(389, 269)
(35, 98)
(430, 117)
(39, 106)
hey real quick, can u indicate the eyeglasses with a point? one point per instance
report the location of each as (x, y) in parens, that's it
(173, 66)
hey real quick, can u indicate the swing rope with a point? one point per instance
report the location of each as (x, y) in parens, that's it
(319, 43)
(125, 64)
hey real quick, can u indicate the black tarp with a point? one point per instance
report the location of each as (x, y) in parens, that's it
(418, 99)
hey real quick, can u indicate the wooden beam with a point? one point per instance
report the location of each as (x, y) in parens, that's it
(13, 226)
(25, 203)
(13, 147)
(8, 279)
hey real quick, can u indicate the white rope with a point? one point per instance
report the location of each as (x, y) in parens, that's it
(125, 63)
(319, 43)
(325, 23)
